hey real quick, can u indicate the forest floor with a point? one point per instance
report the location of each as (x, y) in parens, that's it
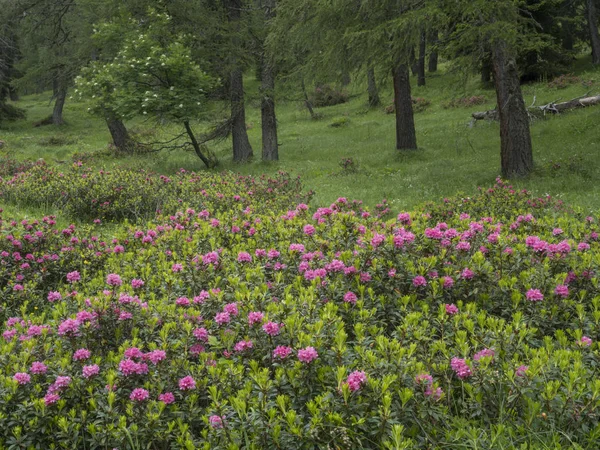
(453, 155)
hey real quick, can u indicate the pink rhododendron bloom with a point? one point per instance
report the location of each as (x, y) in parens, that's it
(201, 334)
(90, 371)
(133, 352)
(281, 352)
(309, 230)
(231, 308)
(243, 345)
(176, 268)
(448, 282)
(73, 277)
(424, 379)
(271, 328)
(182, 301)
(419, 281)
(222, 317)
(467, 274)
(585, 341)
(562, 290)
(307, 355)
(81, 354)
(54, 296)
(155, 356)
(255, 317)
(38, 368)
(461, 368)
(112, 279)
(244, 257)
(139, 395)
(583, 246)
(167, 398)
(451, 309)
(350, 297)
(22, 377)
(216, 421)
(50, 399)
(534, 295)
(485, 353)
(521, 371)
(187, 383)
(356, 380)
(137, 283)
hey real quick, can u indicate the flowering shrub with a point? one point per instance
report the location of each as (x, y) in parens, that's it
(327, 95)
(246, 326)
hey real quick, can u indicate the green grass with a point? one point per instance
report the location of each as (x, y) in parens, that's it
(452, 157)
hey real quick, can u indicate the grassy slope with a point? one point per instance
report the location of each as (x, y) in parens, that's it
(452, 157)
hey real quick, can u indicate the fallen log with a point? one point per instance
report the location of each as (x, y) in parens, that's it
(550, 108)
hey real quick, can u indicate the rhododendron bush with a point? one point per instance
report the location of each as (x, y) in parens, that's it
(235, 325)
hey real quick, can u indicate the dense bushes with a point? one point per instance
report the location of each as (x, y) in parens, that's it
(123, 194)
(474, 322)
(326, 95)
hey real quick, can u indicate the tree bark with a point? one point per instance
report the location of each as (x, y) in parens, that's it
(421, 61)
(433, 56)
(120, 135)
(515, 139)
(270, 145)
(60, 93)
(307, 102)
(242, 150)
(486, 70)
(374, 99)
(413, 62)
(195, 144)
(592, 18)
(406, 137)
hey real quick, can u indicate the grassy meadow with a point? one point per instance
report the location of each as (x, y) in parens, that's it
(453, 155)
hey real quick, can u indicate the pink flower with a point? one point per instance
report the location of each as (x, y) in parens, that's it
(467, 274)
(139, 395)
(90, 371)
(73, 277)
(282, 352)
(255, 317)
(51, 398)
(244, 257)
(69, 327)
(356, 380)
(534, 295)
(176, 268)
(309, 230)
(137, 283)
(81, 354)
(451, 309)
(271, 328)
(231, 308)
(182, 301)
(201, 334)
(187, 383)
(216, 421)
(222, 317)
(155, 356)
(562, 290)
(521, 371)
(308, 354)
(350, 297)
(54, 296)
(243, 345)
(461, 368)
(18, 287)
(167, 398)
(419, 280)
(448, 282)
(38, 368)
(583, 246)
(22, 377)
(485, 353)
(585, 341)
(113, 279)
(424, 379)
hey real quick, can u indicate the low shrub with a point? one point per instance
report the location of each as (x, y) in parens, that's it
(327, 95)
(564, 81)
(465, 102)
(419, 105)
(234, 326)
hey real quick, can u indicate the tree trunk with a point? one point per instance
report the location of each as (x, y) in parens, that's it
(60, 93)
(433, 56)
(120, 135)
(307, 102)
(195, 144)
(486, 70)
(270, 146)
(592, 17)
(374, 100)
(413, 62)
(13, 94)
(515, 139)
(421, 61)
(242, 150)
(406, 137)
